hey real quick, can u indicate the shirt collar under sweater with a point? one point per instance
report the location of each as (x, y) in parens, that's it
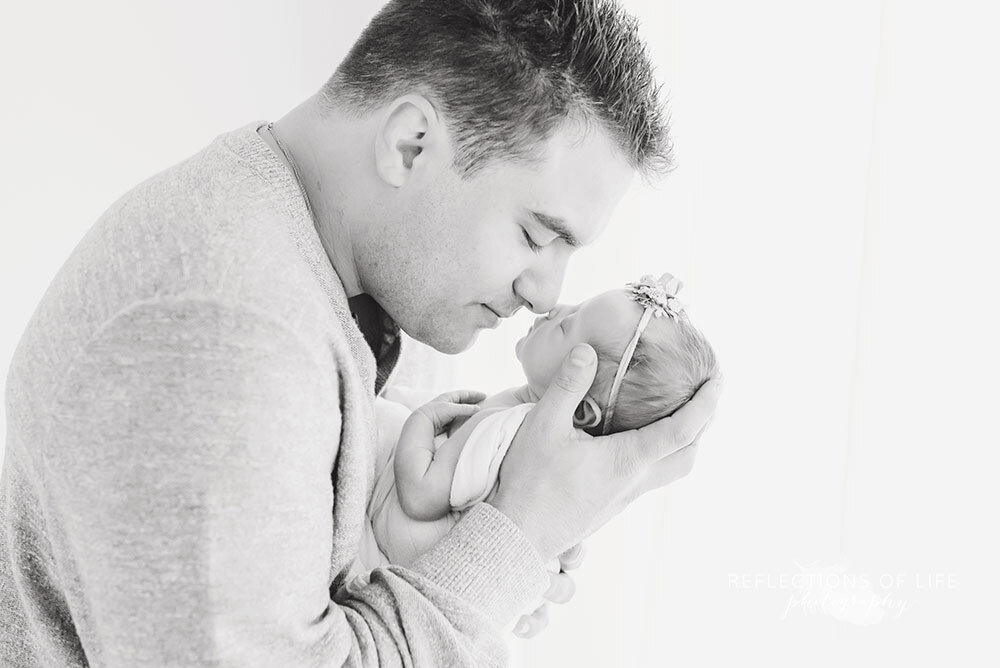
(380, 332)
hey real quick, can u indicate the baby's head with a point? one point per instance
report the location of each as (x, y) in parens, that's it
(671, 360)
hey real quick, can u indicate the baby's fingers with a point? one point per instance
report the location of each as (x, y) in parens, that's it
(442, 414)
(461, 397)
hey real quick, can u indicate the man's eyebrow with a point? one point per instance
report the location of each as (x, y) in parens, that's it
(557, 225)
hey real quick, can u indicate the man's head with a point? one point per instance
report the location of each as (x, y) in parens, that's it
(485, 122)
(507, 73)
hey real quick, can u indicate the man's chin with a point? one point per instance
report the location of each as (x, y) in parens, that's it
(454, 348)
(449, 345)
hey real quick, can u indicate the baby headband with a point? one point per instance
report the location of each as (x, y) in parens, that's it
(657, 297)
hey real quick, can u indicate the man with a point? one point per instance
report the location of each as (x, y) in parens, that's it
(190, 409)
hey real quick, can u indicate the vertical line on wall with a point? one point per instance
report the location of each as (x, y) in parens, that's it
(873, 216)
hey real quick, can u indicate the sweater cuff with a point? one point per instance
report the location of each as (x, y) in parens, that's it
(486, 560)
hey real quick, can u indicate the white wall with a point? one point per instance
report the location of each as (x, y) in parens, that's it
(833, 216)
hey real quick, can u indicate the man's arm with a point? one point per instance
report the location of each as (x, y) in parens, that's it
(190, 461)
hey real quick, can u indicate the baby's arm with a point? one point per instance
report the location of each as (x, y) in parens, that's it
(509, 398)
(423, 476)
(514, 396)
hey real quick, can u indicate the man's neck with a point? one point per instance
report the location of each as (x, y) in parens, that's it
(330, 226)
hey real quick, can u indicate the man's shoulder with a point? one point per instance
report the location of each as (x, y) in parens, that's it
(210, 226)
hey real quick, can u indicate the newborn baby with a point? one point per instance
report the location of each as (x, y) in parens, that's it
(447, 457)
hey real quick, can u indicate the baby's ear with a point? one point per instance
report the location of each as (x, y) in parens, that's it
(587, 414)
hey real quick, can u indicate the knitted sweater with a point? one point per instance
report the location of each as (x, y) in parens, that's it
(190, 450)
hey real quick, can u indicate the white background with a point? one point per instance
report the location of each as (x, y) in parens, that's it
(833, 215)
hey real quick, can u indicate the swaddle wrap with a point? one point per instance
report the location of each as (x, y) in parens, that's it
(479, 463)
(392, 536)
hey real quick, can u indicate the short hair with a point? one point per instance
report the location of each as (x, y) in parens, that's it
(672, 360)
(507, 73)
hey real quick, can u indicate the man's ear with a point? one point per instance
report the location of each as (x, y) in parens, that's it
(587, 414)
(410, 128)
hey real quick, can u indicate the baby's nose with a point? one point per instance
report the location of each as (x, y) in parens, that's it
(559, 308)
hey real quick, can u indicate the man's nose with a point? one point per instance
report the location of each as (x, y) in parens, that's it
(540, 290)
(540, 302)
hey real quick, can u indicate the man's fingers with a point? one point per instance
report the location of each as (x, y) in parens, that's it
(461, 397)
(571, 382)
(571, 558)
(561, 588)
(669, 469)
(670, 434)
(531, 625)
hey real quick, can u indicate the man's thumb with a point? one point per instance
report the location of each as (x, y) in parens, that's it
(573, 379)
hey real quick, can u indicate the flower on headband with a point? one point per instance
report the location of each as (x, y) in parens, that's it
(660, 295)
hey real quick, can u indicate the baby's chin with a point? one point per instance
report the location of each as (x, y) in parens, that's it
(519, 347)
(524, 368)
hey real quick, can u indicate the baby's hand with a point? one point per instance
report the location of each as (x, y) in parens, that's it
(448, 408)
(424, 473)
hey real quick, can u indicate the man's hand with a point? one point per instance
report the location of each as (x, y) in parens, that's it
(561, 590)
(559, 484)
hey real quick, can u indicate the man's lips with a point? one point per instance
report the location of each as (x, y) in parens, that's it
(500, 314)
(495, 320)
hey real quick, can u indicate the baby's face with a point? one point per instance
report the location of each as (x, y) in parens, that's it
(611, 316)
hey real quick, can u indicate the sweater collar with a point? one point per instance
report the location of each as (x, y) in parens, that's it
(375, 351)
